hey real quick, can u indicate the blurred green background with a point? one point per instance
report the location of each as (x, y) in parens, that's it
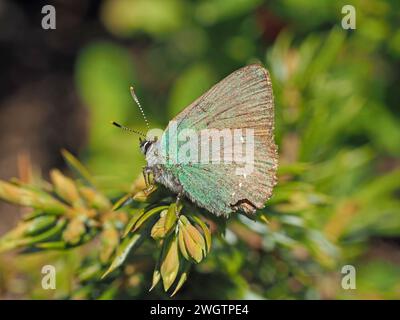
(337, 126)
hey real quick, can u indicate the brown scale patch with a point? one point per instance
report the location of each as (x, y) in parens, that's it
(246, 206)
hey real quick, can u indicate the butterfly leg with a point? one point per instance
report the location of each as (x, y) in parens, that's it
(178, 197)
(144, 176)
(177, 203)
(145, 172)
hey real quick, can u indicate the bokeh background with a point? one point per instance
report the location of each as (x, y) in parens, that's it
(337, 126)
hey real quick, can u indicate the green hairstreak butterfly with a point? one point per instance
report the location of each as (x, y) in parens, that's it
(219, 152)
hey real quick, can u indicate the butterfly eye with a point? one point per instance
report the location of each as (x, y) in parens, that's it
(146, 145)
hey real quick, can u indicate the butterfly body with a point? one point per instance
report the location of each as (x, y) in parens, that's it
(160, 172)
(241, 108)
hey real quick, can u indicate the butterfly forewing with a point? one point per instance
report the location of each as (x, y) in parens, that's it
(243, 101)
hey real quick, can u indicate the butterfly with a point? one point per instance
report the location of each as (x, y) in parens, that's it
(242, 106)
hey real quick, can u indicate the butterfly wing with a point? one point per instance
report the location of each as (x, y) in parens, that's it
(243, 100)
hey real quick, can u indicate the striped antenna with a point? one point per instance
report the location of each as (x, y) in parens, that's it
(127, 129)
(140, 107)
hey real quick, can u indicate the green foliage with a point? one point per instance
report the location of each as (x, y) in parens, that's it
(69, 213)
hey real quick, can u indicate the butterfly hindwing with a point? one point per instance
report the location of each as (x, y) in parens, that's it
(244, 101)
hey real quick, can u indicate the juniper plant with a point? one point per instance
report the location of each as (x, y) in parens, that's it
(67, 213)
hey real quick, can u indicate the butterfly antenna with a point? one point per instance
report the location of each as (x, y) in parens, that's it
(127, 129)
(139, 105)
